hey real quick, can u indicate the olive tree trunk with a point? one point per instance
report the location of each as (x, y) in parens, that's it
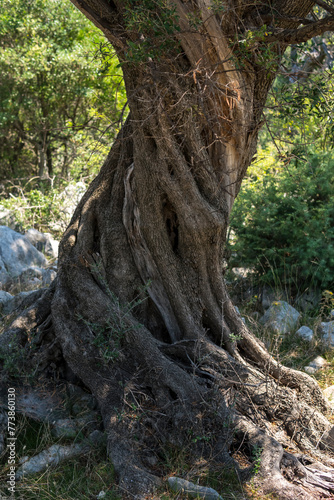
(140, 309)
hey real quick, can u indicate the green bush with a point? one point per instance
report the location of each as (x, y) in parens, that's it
(36, 209)
(283, 221)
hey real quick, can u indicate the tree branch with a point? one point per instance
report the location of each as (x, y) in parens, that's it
(325, 6)
(302, 34)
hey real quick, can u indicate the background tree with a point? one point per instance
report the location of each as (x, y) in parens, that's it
(197, 76)
(53, 91)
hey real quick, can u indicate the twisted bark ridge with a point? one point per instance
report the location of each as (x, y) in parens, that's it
(140, 311)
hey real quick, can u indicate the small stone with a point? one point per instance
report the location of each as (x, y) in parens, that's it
(315, 365)
(305, 332)
(310, 370)
(102, 494)
(318, 362)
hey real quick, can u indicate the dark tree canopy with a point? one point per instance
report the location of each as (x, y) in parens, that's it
(141, 261)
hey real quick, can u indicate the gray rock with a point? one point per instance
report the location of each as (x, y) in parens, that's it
(327, 330)
(318, 362)
(44, 242)
(310, 370)
(305, 332)
(51, 246)
(48, 276)
(5, 299)
(193, 490)
(16, 255)
(315, 365)
(280, 317)
(50, 457)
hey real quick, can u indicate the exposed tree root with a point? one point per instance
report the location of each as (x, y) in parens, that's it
(171, 392)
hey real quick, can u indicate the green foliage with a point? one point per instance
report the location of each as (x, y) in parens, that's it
(256, 456)
(299, 115)
(284, 221)
(53, 91)
(37, 209)
(155, 23)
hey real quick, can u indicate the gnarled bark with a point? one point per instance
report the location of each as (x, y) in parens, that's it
(140, 309)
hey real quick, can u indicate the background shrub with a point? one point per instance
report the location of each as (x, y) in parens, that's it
(283, 221)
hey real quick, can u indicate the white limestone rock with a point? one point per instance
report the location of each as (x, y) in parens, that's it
(44, 242)
(16, 255)
(305, 332)
(315, 365)
(280, 317)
